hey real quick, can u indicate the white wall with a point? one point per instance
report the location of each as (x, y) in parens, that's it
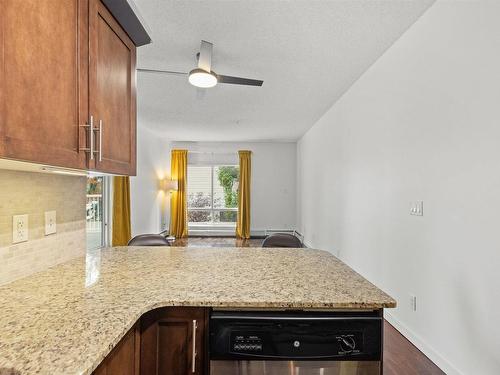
(153, 163)
(273, 195)
(423, 123)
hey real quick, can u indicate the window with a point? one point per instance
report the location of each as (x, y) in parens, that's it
(212, 195)
(96, 212)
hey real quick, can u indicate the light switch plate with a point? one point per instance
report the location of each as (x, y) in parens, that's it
(417, 208)
(50, 222)
(19, 228)
(413, 302)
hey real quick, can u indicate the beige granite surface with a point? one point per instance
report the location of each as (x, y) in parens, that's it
(67, 319)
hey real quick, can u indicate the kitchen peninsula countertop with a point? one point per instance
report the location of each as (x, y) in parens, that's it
(67, 319)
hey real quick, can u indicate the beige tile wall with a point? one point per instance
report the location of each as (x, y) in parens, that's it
(33, 194)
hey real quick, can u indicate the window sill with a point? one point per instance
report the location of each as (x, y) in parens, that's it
(211, 229)
(211, 225)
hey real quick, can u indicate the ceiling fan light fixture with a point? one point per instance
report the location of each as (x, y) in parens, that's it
(201, 78)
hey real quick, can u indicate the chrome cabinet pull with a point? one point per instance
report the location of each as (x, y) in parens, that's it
(195, 326)
(100, 140)
(99, 130)
(91, 133)
(90, 128)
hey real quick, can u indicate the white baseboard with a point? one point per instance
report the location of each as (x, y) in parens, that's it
(214, 231)
(222, 233)
(416, 340)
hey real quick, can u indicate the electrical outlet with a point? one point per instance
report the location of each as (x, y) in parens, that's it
(417, 208)
(19, 228)
(413, 302)
(50, 222)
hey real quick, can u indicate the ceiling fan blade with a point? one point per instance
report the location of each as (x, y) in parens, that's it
(239, 80)
(158, 71)
(205, 59)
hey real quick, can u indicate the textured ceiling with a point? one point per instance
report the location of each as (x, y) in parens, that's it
(307, 52)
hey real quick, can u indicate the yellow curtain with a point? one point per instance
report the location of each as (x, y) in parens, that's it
(178, 200)
(121, 211)
(243, 222)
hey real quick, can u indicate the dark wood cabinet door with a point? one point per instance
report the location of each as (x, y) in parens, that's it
(124, 358)
(171, 339)
(112, 92)
(43, 87)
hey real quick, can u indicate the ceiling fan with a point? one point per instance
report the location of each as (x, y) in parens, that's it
(203, 76)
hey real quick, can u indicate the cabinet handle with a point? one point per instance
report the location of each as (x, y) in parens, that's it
(91, 132)
(195, 326)
(100, 140)
(90, 128)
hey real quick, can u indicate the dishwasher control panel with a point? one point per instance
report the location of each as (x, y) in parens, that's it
(246, 343)
(295, 336)
(344, 343)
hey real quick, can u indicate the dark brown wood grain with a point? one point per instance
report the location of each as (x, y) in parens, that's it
(124, 358)
(61, 63)
(112, 91)
(166, 341)
(41, 85)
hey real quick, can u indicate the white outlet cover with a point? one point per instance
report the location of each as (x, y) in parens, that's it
(417, 208)
(19, 228)
(50, 222)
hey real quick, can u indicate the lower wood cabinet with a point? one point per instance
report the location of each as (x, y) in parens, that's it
(173, 341)
(166, 341)
(124, 358)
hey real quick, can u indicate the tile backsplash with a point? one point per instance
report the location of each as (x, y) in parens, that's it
(34, 194)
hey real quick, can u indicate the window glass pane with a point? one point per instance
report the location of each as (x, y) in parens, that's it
(200, 216)
(224, 216)
(217, 185)
(226, 179)
(94, 210)
(199, 187)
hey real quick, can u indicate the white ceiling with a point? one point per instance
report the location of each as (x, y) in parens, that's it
(307, 52)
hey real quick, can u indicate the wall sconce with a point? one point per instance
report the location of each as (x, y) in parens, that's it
(168, 185)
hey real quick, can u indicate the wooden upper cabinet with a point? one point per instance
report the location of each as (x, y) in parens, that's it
(63, 62)
(43, 69)
(173, 341)
(112, 92)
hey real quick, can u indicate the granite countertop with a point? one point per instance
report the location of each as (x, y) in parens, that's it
(67, 319)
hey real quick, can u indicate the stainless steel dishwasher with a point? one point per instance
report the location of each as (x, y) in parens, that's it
(301, 343)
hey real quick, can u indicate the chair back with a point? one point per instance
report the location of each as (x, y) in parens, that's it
(148, 240)
(281, 240)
